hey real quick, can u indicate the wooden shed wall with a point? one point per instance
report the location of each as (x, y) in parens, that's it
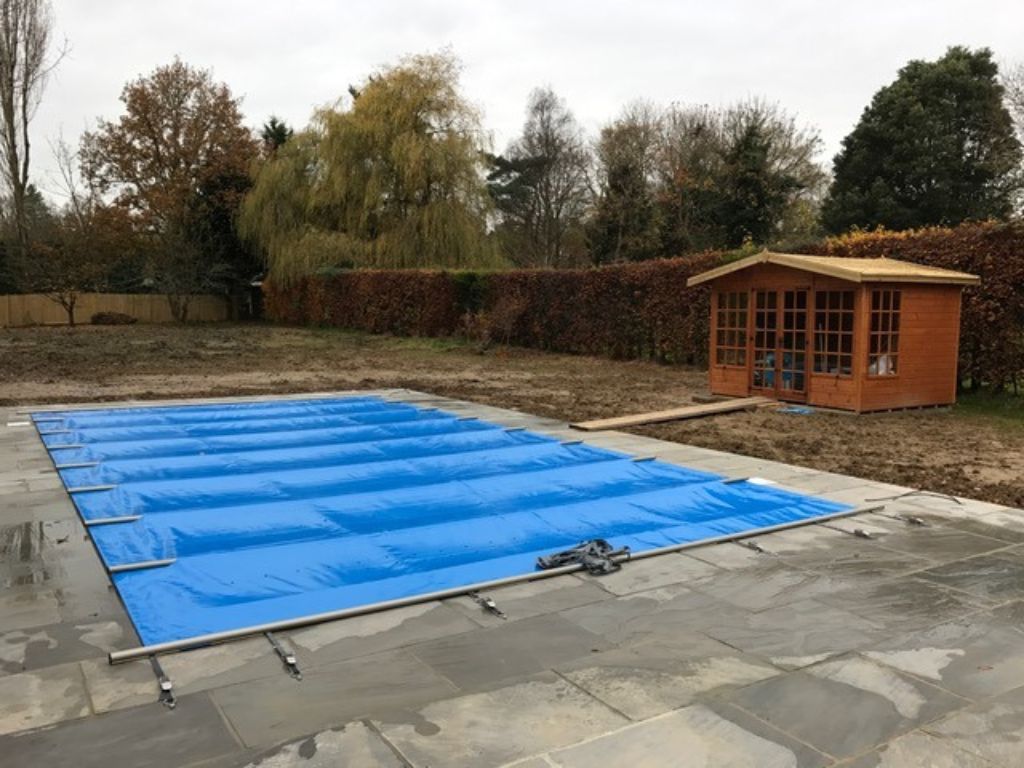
(928, 346)
(929, 340)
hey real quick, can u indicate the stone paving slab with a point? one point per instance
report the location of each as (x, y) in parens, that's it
(645, 679)
(993, 730)
(482, 659)
(919, 750)
(763, 582)
(978, 656)
(142, 737)
(363, 635)
(500, 726)
(39, 647)
(828, 550)
(655, 613)
(42, 697)
(270, 710)
(534, 598)
(998, 576)
(797, 634)
(696, 737)
(1005, 525)
(355, 745)
(905, 604)
(846, 705)
(133, 683)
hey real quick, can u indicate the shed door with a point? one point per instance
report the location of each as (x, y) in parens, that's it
(779, 360)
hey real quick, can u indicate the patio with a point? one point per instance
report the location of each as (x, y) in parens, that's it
(868, 641)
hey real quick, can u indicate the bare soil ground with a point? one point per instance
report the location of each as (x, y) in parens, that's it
(974, 450)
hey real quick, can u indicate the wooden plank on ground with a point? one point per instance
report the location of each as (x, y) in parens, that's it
(674, 414)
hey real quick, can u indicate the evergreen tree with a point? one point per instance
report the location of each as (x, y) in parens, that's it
(753, 195)
(274, 134)
(935, 147)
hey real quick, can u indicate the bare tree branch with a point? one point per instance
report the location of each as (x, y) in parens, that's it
(26, 28)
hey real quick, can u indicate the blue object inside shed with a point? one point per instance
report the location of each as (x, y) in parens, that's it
(274, 510)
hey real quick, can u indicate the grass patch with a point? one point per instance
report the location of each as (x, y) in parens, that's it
(1004, 407)
(365, 339)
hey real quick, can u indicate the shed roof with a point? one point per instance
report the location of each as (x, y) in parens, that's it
(854, 270)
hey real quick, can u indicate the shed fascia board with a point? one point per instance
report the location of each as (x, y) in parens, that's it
(899, 271)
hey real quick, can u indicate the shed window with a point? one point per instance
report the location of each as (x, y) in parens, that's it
(833, 332)
(884, 342)
(731, 326)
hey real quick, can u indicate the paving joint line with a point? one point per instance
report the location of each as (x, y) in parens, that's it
(771, 726)
(373, 728)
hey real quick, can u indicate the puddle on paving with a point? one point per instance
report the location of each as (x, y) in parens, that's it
(51, 553)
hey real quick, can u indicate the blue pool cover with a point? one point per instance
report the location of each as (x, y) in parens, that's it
(281, 509)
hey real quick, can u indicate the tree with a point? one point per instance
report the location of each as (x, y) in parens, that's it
(935, 147)
(761, 174)
(688, 170)
(725, 176)
(25, 29)
(540, 186)
(74, 249)
(1012, 79)
(274, 134)
(392, 178)
(179, 152)
(626, 222)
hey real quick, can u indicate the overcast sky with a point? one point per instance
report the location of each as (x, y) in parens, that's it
(821, 60)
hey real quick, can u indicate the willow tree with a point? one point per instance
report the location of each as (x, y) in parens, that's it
(392, 178)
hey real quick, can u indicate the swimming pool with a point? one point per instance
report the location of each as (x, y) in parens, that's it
(218, 517)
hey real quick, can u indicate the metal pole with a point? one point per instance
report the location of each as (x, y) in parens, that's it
(120, 405)
(110, 520)
(118, 657)
(125, 567)
(91, 488)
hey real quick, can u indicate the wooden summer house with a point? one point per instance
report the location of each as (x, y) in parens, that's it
(856, 334)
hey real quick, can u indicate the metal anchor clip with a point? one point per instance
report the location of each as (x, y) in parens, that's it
(291, 664)
(488, 604)
(165, 684)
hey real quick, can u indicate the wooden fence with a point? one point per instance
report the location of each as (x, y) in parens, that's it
(36, 309)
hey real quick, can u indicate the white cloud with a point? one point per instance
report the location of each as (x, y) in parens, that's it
(821, 60)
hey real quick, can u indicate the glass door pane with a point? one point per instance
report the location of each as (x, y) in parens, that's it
(766, 319)
(792, 352)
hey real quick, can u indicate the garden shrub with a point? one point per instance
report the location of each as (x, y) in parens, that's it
(112, 318)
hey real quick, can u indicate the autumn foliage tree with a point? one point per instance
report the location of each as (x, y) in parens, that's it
(178, 160)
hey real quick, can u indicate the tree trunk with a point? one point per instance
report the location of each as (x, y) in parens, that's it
(179, 304)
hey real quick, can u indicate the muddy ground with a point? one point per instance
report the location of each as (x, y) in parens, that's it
(974, 450)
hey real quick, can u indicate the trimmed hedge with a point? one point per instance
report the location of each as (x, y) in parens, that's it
(645, 310)
(992, 320)
(626, 311)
